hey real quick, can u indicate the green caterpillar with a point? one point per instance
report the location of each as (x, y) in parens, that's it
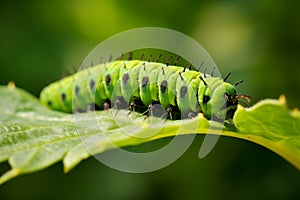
(137, 85)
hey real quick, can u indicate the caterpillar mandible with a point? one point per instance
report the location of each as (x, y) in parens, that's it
(138, 84)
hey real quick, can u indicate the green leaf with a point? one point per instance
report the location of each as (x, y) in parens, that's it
(271, 124)
(33, 137)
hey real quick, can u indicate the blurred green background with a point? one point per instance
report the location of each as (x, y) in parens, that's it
(258, 41)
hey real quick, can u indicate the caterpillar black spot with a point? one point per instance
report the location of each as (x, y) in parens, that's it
(119, 83)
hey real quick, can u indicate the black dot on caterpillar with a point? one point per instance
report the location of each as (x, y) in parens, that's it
(92, 84)
(163, 86)
(107, 79)
(137, 84)
(145, 81)
(63, 97)
(183, 91)
(206, 99)
(77, 90)
(125, 78)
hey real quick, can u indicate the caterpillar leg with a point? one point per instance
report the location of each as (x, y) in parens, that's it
(190, 115)
(132, 105)
(156, 110)
(152, 108)
(149, 111)
(169, 112)
(106, 106)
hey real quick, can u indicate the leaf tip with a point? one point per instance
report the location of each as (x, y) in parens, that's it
(296, 112)
(9, 175)
(282, 99)
(201, 115)
(239, 107)
(11, 85)
(67, 170)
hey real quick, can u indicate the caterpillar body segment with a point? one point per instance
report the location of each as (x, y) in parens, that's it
(121, 82)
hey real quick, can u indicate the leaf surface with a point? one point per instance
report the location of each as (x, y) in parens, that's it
(33, 137)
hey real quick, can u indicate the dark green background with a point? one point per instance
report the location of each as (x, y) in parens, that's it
(258, 41)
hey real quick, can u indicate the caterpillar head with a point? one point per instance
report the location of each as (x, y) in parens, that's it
(218, 100)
